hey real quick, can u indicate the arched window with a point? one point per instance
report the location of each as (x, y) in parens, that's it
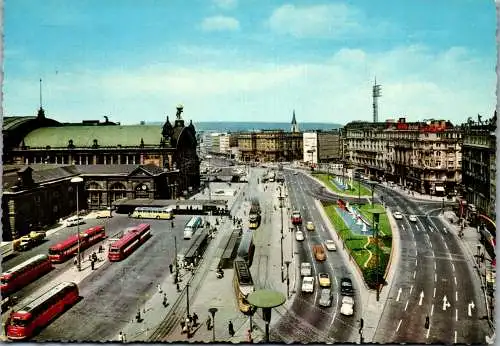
(95, 195)
(141, 191)
(118, 191)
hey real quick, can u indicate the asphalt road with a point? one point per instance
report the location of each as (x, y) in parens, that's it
(306, 321)
(112, 293)
(433, 279)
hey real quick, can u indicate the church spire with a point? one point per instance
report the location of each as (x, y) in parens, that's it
(41, 112)
(295, 126)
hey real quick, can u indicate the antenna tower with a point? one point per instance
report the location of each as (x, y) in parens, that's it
(376, 94)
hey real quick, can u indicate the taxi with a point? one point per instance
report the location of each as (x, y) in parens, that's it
(324, 280)
(310, 226)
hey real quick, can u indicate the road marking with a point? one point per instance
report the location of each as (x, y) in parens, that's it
(411, 289)
(430, 229)
(435, 277)
(421, 298)
(455, 336)
(428, 330)
(453, 266)
(446, 304)
(432, 309)
(469, 308)
(399, 324)
(455, 279)
(435, 265)
(430, 244)
(456, 296)
(406, 306)
(399, 293)
(414, 274)
(456, 314)
(416, 263)
(403, 227)
(434, 295)
(446, 246)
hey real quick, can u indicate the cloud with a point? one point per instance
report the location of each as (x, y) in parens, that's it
(226, 4)
(416, 82)
(316, 20)
(220, 23)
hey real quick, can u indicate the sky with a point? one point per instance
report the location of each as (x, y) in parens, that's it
(250, 60)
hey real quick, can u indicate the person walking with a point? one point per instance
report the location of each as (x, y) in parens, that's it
(230, 328)
(160, 291)
(195, 319)
(171, 267)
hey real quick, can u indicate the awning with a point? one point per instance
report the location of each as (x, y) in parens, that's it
(440, 188)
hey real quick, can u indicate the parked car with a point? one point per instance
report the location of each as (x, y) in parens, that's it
(346, 288)
(308, 284)
(310, 226)
(330, 245)
(74, 221)
(347, 307)
(398, 215)
(324, 280)
(299, 236)
(413, 218)
(319, 252)
(305, 269)
(325, 298)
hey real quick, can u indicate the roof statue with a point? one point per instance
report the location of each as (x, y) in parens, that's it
(179, 111)
(167, 129)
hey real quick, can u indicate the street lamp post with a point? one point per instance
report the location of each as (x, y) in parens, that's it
(212, 312)
(77, 181)
(281, 241)
(291, 240)
(266, 299)
(287, 279)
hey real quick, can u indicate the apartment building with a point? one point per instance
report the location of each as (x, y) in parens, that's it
(322, 146)
(423, 156)
(270, 146)
(479, 165)
(224, 143)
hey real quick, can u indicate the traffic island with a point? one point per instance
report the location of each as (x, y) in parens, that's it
(368, 243)
(342, 186)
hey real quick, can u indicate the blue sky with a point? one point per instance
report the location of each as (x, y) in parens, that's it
(250, 60)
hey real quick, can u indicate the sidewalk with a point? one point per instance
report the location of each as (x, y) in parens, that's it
(414, 195)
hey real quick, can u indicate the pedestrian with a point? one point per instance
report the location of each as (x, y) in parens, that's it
(178, 287)
(92, 264)
(165, 301)
(195, 319)
(170, 266)
(75, 262)
(159, 289)
(230, 328)
(249, 336)
(90, 258)
(120, 337)
(172, 224)
(208, 322)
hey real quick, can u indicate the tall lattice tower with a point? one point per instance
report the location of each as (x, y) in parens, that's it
(376, 94)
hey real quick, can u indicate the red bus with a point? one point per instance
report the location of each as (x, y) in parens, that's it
(129, 242)
(24, 273)
(23, 323)
(69, 247)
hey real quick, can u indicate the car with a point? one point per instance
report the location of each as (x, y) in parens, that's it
(310, 226)
(305, 269)
(324, 280)
(299, 236)
(308, 284)
(330, 245)
(319, 252)
(103, 214)
(413, 218)
(398, 215)
(325, 298)
(74, 221)
(295, 173)
(346, 288)
(347, 308)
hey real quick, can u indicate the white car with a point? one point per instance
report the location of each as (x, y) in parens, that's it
(347, 307)
(308, 284)
(413, 218)
(74, 221)
(330, 245)
(398, 215)
(299, 236)
(305, 269)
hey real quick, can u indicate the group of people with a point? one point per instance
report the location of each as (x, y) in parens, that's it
(189, 323)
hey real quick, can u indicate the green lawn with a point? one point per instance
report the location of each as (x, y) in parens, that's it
(364, 191)
(384, 227)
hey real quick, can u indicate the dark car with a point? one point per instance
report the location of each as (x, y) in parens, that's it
(346, 288)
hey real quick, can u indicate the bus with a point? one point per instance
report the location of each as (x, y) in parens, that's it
(246, 248)
(243, 285)
(193, 224)
(130, 241)
(165, 213)
(68, 248)
(24, 273)
(38, 313)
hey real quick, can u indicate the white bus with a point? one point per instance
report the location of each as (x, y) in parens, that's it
(194, 223)
(165, 213)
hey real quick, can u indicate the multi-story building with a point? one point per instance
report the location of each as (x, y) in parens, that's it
(224, 143)
(271, 145)
(424, 156)
(479, 165)
(322, 146)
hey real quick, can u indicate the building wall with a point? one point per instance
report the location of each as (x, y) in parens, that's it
(224, 143)
(270, 145)
(310, 144)
(329, 146)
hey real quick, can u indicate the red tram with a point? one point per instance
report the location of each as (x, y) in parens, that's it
(24, 273)
(68, 248)
(23, 323)
(130, 241)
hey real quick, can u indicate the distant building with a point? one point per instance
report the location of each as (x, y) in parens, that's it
(424, 156)
(479, 165)
(224, 143)
(271, 145)
(322, 146)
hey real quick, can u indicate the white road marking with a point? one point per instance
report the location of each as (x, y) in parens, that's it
(430, 244)
(414, 274)
(399, 293)
(456, 314)
(446, 304)
(453, 266)
(430, 229)
(411, 289)
(434, 295)
(432, 309)
(406, 306)
(455, 336)
(435, 265)
(456, 296)
(435, 277)
(428, 330)
(421, 298)
(432, 253)
(399, 324)
(455, 279)
(416, 263)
